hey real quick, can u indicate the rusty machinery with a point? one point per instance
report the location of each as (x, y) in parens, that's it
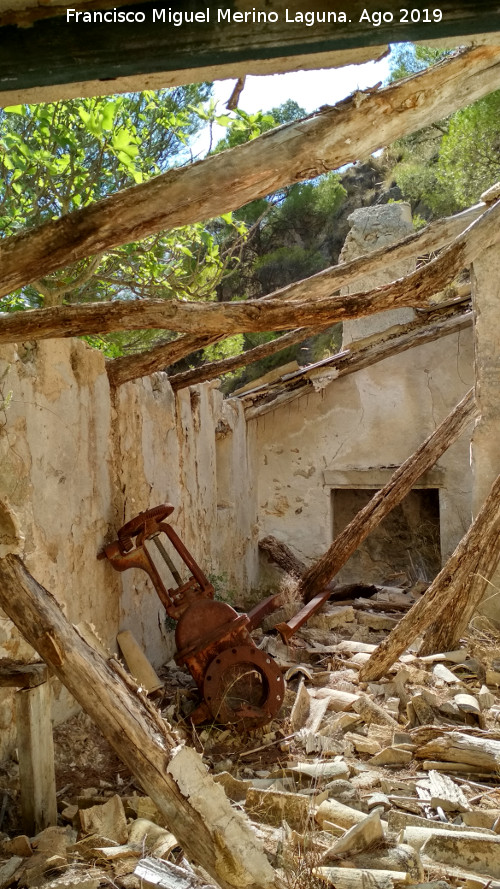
(238, 683)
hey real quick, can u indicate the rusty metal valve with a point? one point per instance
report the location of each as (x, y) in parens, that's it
(239, 684)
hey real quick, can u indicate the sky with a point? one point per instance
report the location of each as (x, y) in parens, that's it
(310, 89)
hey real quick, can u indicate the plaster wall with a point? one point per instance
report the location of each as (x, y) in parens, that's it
(374, 419)
(77, 461)
(364, 424)
(485, 441)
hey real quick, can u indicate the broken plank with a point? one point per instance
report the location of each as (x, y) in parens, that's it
(35, 748)
(208, 828)
(353, 878)
(446, 794)
(227, 181)
(165, 875)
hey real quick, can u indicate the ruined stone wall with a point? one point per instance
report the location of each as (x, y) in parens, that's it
(321, 440)
(485, 441)
(352, 432)
(77, 462)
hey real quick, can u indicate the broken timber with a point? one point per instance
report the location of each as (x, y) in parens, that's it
(210, 831)
(434, 236)
(360, 354)
(229, 318)
(129, 367)
(320, 574)
(282, 555)
(216, 368)
(449, 593)
(301, 150)
(35, 745)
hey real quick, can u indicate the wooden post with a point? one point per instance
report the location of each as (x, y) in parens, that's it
(342, 548)
(35, 749)
(195, 808)
(35, 744)
(450, 593)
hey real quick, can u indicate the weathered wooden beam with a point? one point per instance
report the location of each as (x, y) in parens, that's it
(215, 369)
(435, 235)
(35, 749)
(384, 345)
(453, 594)
(301, 150)
(113, 57)
(209, 830)
(431, 238)
(214, 319)
(129, 367)
(381, 504)
(464, 600)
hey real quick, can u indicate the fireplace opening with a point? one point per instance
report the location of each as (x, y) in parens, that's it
(403, 549)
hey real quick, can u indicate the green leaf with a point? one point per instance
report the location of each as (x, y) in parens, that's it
(15, 109)
(108, 115)
(85, 116)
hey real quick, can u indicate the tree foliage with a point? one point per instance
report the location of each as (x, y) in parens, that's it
(59, 157)
(469, 159)
(445, 167)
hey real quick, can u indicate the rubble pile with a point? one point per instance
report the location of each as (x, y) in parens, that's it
(382, 784)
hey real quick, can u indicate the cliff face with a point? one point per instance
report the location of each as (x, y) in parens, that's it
(365, 186)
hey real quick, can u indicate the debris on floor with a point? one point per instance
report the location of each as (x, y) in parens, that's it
(387, 783)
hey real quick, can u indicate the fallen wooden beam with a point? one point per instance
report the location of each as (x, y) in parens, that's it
(354, 128)
(458, 747)
(449, 592)
(434, 236)
(342, 548)
(464, 599)
(129, 367)
(217, 318)
(358, 356)
(282, 555)
(210, 831)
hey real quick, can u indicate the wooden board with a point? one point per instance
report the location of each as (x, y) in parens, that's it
(53, 51)
(36, 758)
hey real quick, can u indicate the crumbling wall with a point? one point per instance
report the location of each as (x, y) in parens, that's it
(56, 480)
(353, 433)
(78, 461)
(485, 441)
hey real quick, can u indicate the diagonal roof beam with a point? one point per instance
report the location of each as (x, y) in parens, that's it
(325, 141)
(215, 319)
